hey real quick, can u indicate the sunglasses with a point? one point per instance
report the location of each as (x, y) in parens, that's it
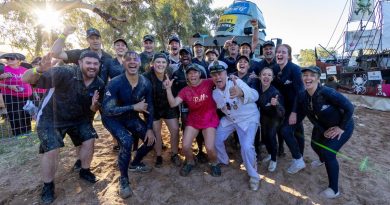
(10, 58)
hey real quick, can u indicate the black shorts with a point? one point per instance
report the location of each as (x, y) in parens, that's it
(169, 113)
(52, 138)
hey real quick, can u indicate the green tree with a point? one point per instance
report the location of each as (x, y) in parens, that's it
(329, 53)
(306, 57)
(116, 18)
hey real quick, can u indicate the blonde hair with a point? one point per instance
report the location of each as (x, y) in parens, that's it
(289, 50)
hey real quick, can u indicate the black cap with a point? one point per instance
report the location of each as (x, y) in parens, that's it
(173, 38)
(246, 43)
(92, 32)
(210, 50)
(197, 43)
(89, 54)
(185, 49)
(193, 66)
(123, 40)
(13, 55)
(160, 55)
(216, 67)
(269, 43)
(148, 37)
(234, 41)
(314, 69)
(242, 57)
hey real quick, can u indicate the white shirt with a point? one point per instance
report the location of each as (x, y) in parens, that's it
(241, 110)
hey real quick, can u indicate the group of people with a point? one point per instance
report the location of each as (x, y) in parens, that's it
(213, 95)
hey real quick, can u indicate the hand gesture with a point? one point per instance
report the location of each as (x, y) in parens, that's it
(69, 30)
(235, 91)
(292, 120)
(274, 101)
(95, 99)
(334, 132)
(168, 83)
(227, 44)
(149, 137)
(45, 63)
(141, 106)
(5, 75)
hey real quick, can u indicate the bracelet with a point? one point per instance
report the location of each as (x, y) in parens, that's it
(62, 36)
(35, 71)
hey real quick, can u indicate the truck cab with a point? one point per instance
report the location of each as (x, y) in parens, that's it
(236, 22)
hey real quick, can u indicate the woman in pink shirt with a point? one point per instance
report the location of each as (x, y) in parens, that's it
(202, 116)
(16, 93)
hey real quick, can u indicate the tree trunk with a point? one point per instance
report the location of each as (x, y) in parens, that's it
(38, 45)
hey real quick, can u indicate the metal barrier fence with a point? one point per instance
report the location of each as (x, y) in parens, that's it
(18, 108)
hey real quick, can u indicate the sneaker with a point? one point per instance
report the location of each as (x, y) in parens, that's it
(124, 188)
(201, 157)
(77, 166)
(215, 170)
(87, 175)
(267, 158)
(141, 167)
(254, 184)
(186, 169)
(272, 166)
(47, 195)
(296, 166)
(329, 193)
(159, 162)
(175, 159)
(316, 163)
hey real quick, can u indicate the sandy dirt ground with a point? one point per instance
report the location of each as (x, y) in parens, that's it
(364, 176)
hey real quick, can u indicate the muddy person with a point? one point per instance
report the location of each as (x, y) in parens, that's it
(127, 96)
(68, 108)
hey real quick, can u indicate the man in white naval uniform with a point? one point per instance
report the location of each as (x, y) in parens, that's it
(238, 103)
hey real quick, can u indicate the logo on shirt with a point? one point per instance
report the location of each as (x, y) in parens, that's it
(198, 99)
(108, 93)
(324, 107)
(287, 82)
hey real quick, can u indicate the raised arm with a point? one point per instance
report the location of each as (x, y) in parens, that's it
(59, 44)
(173, 102)
(255, 36)
(32, 76)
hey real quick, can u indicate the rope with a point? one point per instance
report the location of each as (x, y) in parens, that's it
(337, 23)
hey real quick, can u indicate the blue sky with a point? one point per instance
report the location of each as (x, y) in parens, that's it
(301, 23)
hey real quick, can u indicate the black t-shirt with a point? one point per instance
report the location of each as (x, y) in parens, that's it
(111, 69)
(160, 100)
(68, 100)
